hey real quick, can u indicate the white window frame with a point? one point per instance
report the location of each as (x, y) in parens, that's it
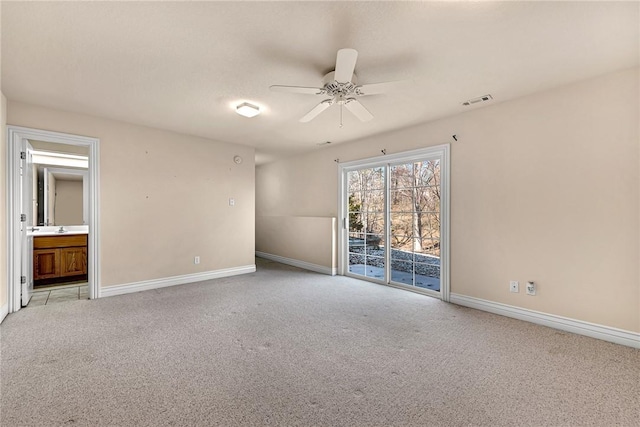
(442, 152)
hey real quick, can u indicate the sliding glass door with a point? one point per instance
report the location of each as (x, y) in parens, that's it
(366, 223)
(414, 201)
(395, 220)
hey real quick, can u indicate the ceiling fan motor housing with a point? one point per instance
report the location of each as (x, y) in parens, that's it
(339, 89)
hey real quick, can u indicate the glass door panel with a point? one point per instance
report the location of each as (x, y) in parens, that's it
(414, 207)
(366, 228)
(394, 223)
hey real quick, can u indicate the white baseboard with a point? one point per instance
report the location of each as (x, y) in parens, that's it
(4, 310)
(146, 285)
(297, 263)
(606, 333)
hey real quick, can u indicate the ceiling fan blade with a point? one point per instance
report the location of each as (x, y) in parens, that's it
(345, 64)
(378, 88)
(358, 110)
(297, 89)
(316, 111)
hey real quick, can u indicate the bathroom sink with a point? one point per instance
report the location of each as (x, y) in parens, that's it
(57, 230)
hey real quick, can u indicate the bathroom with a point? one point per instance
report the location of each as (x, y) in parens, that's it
(57, 227)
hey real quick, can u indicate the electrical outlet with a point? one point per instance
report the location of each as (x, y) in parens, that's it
(232, 202)
(196, 260)
(531, 288)
(514, 286)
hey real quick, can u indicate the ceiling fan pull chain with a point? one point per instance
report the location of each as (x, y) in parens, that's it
(341, 105)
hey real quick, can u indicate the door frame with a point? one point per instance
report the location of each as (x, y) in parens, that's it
(440, 151)
(15, 135)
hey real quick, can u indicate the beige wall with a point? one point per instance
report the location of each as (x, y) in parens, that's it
(3, 200)
(68, 205)
(164, 197)
(543, 188)
(304, 239)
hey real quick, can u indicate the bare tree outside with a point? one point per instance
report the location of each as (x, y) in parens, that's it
(366, 191)
(414, 205)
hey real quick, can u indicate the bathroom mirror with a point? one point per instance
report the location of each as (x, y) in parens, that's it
(60, 184)
(62, 196)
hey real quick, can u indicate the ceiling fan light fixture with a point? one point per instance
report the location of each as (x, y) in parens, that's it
(247, 110)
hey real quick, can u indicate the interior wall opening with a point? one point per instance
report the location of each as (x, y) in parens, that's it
(53, 217)
(60, 217)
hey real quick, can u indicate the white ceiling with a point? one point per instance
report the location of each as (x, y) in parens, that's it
(183, 66)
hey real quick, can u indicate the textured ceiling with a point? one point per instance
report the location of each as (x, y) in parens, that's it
(182, 66)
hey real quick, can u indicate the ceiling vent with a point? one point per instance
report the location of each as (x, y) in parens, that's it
(478, 100)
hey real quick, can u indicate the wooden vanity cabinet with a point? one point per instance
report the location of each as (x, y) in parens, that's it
(59, 256)
(73, 261)
(46, 263)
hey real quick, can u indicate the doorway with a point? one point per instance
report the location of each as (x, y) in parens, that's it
(27, 222)
(395, 220)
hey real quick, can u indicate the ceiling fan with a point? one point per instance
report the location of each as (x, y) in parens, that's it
(341, 88)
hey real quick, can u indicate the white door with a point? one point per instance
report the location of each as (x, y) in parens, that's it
(395, 220)
(28, 202)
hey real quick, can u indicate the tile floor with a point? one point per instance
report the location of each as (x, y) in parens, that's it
(54, 295)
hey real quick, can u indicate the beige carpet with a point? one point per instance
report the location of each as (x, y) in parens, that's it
(288, 347)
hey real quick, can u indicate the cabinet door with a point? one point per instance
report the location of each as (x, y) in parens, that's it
(73, 261)
(46, 263)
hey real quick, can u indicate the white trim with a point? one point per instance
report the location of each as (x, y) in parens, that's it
(164, 282)
(445, 227)
(4, 310)
(61, 160)
(417, 154)
(606, 333)
(297, 263)
(341, 234)
(93, 257)
(15, 134)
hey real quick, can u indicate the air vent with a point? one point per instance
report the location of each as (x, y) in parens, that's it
(478, 100)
